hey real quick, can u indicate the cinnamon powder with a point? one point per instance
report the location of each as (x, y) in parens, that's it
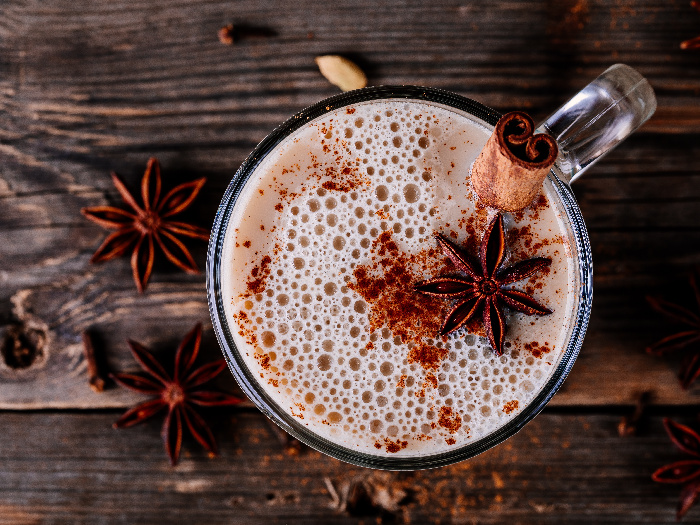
(386, 284)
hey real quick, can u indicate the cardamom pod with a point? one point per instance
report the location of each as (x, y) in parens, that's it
(341, 72)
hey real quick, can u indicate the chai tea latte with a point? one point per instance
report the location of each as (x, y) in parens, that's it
(322, 251)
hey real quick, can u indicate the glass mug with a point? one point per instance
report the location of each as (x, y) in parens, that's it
(588, 126)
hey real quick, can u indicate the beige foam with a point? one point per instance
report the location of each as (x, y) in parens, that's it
(311, 329)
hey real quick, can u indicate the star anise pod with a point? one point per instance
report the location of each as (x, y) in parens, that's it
(485, 289)
(689, 337)
(138, 230)
(693, 43)
(182, 394)
(686, 471)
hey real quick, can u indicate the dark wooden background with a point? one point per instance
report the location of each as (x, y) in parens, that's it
(90, 86)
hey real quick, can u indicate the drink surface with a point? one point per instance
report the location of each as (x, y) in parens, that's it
(321, 253)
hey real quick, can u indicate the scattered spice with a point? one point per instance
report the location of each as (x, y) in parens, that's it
(138, 230)
(332, 185)
(686, 472)
(343, 178)
(341, 72)
(686, 340)
(449, 419)
(629, 425)
(428, 356)
(385, 285)
(380, 494)
(182, 394)
(96, 379)
(511, 406)
(391, 446)
(693, 43)
(484, 289)
(258, 276)
(537, 350)
(230, 34)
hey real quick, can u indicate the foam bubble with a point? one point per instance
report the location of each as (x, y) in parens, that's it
(343, 180)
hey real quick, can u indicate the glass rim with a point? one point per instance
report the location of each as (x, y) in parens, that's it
(246, 379)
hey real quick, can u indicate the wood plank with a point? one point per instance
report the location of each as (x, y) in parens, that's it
(93, 86)
(90, 86)
(51, 284)
(112, 82)
(58, 377)
(73, 468)
(612, 367)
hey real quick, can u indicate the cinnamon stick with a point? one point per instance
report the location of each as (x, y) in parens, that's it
(509, 172)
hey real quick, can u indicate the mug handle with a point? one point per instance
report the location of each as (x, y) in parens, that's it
(598, 118)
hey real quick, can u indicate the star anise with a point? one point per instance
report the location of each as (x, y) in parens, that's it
(139, 229)
(686, 471)
(690, 366)
(485, 289)
(693, 43)
(182, 394)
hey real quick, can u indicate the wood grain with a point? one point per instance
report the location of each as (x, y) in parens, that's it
(74, 468)
(87, 87)
(93, 86)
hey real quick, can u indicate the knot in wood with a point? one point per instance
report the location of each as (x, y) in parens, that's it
(22, 345)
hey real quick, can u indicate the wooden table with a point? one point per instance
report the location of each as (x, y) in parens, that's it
(91, 86)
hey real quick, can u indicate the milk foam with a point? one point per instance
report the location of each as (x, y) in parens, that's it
(314, 213)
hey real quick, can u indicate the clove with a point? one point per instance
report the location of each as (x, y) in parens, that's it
(629, 425)
(96, 379)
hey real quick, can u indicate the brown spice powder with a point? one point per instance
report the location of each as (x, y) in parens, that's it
(536, 349)
(258, 277)
(391, 446)
(386, 284)
(343, 179)
(449, 419)
(510, 406)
